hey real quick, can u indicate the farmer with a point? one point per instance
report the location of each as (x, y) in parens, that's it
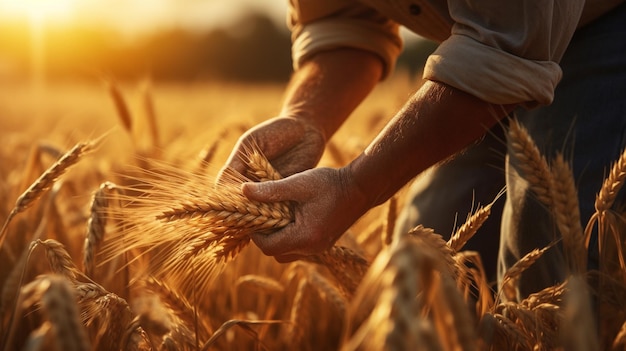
(558, 66)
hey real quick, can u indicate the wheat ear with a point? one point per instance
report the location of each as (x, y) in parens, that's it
(105, 314)
(121, 107)
(603, 204)
(389, 225)
(471, 226)
(59, 306)
(346, 265)
(45, 181)
(513, 273)
(150, 114)
(60, 261)
(96, 226)
(533, 165)
(567, 214)
(385, 312)
(244, 324)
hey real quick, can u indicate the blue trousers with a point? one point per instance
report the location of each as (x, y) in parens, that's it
(586, 122)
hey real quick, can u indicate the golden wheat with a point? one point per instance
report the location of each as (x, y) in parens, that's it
(45, 181)
(177, 280)
(533, 166)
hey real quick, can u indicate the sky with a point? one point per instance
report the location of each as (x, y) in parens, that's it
(136, 17)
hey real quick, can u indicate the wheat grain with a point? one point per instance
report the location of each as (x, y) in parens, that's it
(330, 292)
(135, 338)
(385, 309)
(45, 181)
(59, 306)
(607, 220)
(508, 335)
(259, 283)
(567, 214)
(58, 258)
(534, 167)
(96, 226)
(245, 324)
(299, 316)
(121, 107)
(207, 154)
(471, 225)
(612, 185)
(150, 115)
(513, 273)
(105, 314)
(472, 281)
(172, 299)
(437, 245)
(552, 294)
(346, 265)
(390, 222)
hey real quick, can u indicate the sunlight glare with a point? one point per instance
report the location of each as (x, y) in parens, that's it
(44, 9)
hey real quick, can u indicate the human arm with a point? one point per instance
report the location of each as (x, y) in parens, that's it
(321, 94)
(435, 123)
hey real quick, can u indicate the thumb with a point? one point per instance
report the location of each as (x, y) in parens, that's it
(268, 191)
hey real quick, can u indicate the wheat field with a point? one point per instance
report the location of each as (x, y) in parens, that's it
(115, 237)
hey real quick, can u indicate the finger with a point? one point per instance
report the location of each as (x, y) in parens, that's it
(280, 243)
(272, 191)
(288, 258)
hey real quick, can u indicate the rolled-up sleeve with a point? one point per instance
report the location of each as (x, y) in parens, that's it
(325, 25)
(506, 52)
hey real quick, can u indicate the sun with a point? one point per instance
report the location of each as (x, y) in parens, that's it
(48, 10)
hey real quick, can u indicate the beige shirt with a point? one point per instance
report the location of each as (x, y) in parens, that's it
(501, 51)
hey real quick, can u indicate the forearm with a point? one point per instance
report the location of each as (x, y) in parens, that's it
(328, 87)
(436, 123)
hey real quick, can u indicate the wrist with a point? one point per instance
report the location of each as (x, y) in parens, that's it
(308, 122)
(359, 194)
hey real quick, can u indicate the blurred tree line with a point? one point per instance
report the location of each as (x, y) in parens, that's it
(253, 49)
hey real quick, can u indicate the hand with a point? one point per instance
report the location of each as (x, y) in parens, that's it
(326, 203)
(291, 145)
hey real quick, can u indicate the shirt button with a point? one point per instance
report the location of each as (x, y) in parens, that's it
(414, 9)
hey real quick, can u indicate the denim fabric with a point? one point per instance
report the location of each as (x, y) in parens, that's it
(442, 197)
(586, 122)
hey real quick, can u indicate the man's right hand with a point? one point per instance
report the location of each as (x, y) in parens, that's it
(291, 145)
